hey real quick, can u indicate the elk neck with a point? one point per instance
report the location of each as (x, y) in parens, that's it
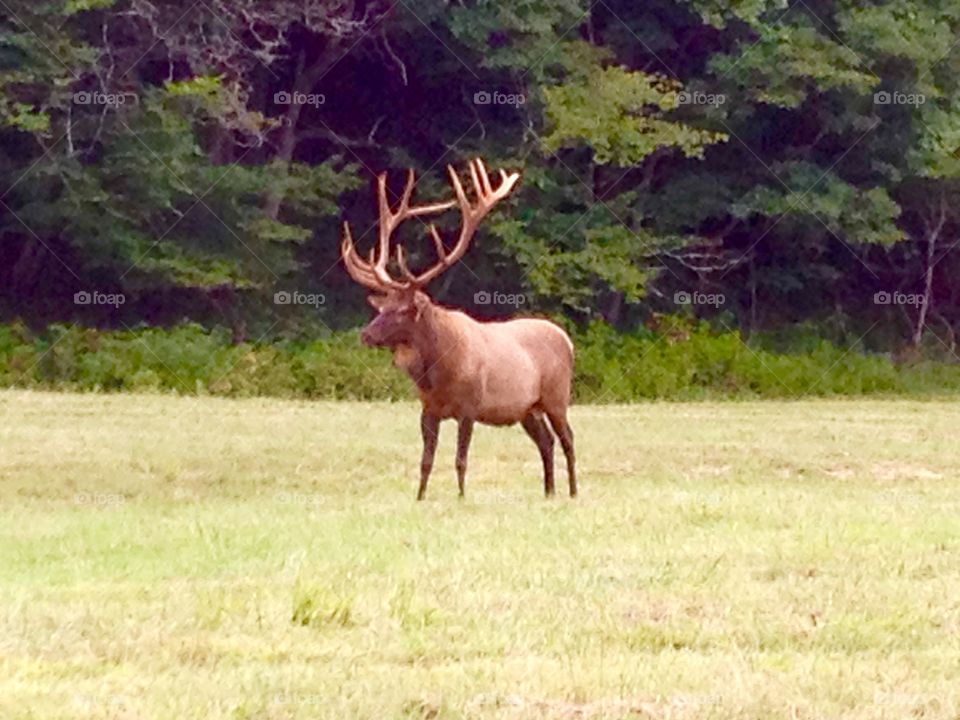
(436, 339)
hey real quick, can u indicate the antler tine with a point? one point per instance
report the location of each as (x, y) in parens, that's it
(386, 223)
(357, 269)
(407, 192)
(485, 179)
(402, 263)
(438, 242)
(390, 220)
(487, 197)
(402, 255)
(458, 188)
(373, 274)
(477, 187)
(382, 205)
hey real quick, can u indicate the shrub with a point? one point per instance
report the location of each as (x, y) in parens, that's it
(685, 363)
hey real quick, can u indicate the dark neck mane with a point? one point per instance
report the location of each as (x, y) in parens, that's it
(433, 343)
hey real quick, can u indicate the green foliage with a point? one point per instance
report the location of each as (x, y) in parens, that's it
(531, 26)
(796, 156)
(720, 12)
(919, 32)
(619, 115)
(685, 362)
(691, 362)
(190, 360)
(75, 6)
(869, 214)
(790, 62)
(936, 152)
(144, 185)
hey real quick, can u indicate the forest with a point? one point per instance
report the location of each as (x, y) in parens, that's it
(720, 183)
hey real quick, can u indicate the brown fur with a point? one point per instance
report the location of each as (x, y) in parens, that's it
(496, 373)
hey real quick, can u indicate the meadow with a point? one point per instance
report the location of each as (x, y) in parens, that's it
(176, 558)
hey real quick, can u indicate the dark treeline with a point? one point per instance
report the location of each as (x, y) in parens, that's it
(166, 161)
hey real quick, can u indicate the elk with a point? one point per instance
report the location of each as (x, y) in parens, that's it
(495, 372)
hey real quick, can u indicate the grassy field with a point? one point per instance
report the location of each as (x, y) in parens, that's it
(180, 558)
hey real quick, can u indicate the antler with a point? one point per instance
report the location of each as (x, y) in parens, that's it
(373, 273)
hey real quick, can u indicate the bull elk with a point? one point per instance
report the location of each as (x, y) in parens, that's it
(496, 373)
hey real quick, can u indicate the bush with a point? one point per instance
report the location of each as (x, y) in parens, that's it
(687, 362)
(690, 362)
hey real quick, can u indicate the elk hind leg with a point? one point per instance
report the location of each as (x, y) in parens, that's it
(537, 429)
(563, 430)
(464, 433)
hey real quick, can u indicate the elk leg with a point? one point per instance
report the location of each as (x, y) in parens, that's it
(464, 433)
(537, 429)
(565, 433)
(430, 429)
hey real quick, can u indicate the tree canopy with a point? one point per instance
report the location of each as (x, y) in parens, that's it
(798, 161)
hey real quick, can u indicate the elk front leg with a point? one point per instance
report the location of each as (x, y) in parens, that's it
(430, 430)
(464, 433)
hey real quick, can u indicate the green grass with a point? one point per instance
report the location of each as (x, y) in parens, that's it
(202, 558)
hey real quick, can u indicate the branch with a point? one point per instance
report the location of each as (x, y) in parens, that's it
(720, 265)
(327, 134)
(394, 56)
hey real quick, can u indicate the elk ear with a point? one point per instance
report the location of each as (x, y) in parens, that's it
(377, 302)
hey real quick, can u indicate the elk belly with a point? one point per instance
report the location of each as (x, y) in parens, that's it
(509, 395)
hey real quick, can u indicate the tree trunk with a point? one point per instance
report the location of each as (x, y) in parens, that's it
(752, 284)
(224, 300)
(26, 269)
(614, 309)
(288, 140)
(303, 82)
(933, 235)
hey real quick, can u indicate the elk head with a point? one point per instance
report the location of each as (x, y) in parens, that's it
(401, 303)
